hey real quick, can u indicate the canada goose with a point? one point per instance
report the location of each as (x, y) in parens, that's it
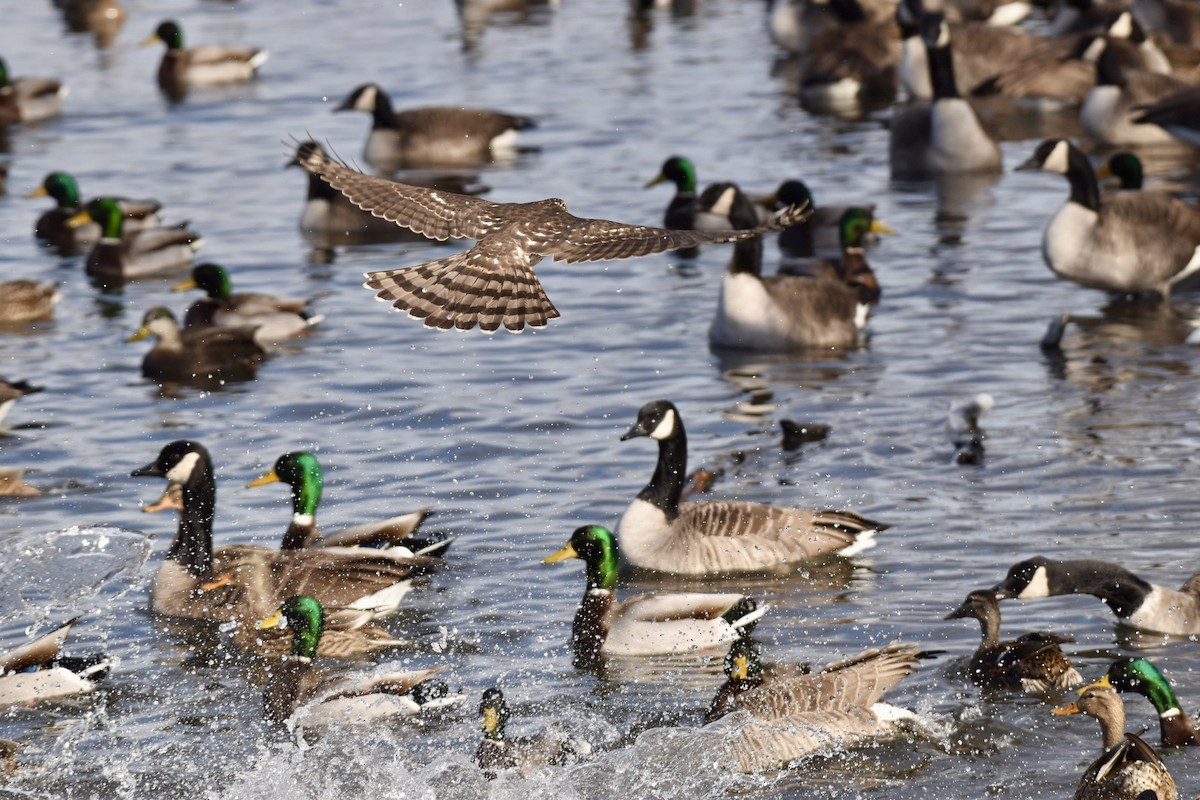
(1178, 114)
(1033, 663)
(432, 136)
(27, 301)
(794, 712)
(273, 318)
(183, 68)
(36, 671)
(1123, 242)
(1136, 602)
(853, 62)
(1126, 167)
(716, 537)
(1178, 20)
(787, 312)
(493, 283)
(297, 693)
(1110, 107)
(28, 98)
(196, 355)
(302, 472)
(241, 583)
(498, 750)
(11, 391)
(1139, 675)
(52, 226)
(1128, 766)
(943, 135)
(795, 24)
(646, 625)
(120, 256)
(681, 211)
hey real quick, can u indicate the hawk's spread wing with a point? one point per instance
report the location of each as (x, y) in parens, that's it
(430, 212)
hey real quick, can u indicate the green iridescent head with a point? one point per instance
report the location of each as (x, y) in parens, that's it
(214, 280)
(597, 547)
(169, 33)
(793, 193)
(1128, 168)
(854, 226)
(306, 618)
(1139, 675)
(3, 74)
(302, 472)
(106, 212)
(63, 188)
(679, 171)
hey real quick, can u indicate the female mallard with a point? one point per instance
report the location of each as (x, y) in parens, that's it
(243, 583)
(28, 98)
(52, 226)
(647, 625)
(1033, 662)
(35, 670)
(794, 712)
(1139, 675)
(789, 312)
(1128, 767)
(120, 255)
(681, 211)
(721, 536)
(27, 301)
(942, 135)
(196, 356)
(1128, 242)
(208, 65)
(498, 750)
(302, 472)
(301, 695)
(433, 136)
(1136, 602)
(273, 318)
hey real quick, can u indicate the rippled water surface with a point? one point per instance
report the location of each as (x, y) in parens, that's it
(514, 439)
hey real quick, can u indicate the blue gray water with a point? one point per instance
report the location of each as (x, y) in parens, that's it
(514, 439)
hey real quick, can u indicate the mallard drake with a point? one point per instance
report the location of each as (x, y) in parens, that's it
(27, 301)
(1126, 167)
(52, 226)
(120, 256)
(302, 472)
(498, 750)
(646, 625)
(432, 136)
(1177, 114)
(1124, 242)
(273, 318)
(851, 62)
(493, 283)
(793, 712)
(943, 135)
(787, 312)
(715, 537)
(12, 484)
(208, 65)
(1139, 675)
(297, 693)
(820, 234)
(200, 356)
(1033, 663)
(1108, 111)
(28, 98)
(36, 671)
(11, 391)
(1128, 767)
(681, 211)
(241, 583)
(1136, 602)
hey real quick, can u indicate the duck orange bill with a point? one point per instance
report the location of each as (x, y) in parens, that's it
(879, 227)
(561, 555)
(273, 621)
(172, 498)
(1073, 708)
(184, 285)
(268, 477)
(82, 218)
(216, 583)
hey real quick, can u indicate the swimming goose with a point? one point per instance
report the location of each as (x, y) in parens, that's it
(788, 312)
(851, 62)
(493, 283)
(943, 135)
(1128, 767)
(241, 583)
(273, 318)
(196, 356)
(793, 712)
(715, 537)
(432, 136)
(1176, 728)
(1033, 663)
(1178, 114)
(36, 671)
(646, 625)
(681, 211)
(29, 98)
(302, 472)
(303, 696)
(207, 65)
(1122, 242)
(120, 256)
(1124, 166)
(11, 391)
(1136, 602)
(1110, 107)
(27, 301)
(498, 750)
(52, 225)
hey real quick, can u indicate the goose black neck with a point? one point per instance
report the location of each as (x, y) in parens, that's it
(193, 542)
(1120, 589)
(320, 190)
(666, 484)
(941, 72)
(382, 115)
(1085, 189)
(747, 257)
(848, 11)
